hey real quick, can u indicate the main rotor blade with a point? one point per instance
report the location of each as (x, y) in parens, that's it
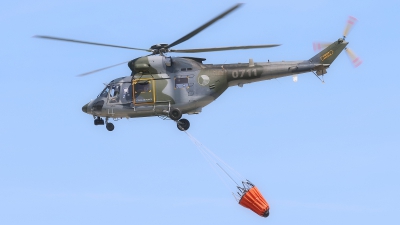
(90, 43)
(222, 48)
(354, 58)
(95, 71)
(198, 30)
(350, 23)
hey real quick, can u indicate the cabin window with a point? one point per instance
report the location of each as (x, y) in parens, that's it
(142, 86)
(182, 82)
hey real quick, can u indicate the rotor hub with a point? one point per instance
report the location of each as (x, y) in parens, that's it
(159, 46)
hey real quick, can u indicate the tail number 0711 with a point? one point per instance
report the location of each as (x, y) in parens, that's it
(244, 73)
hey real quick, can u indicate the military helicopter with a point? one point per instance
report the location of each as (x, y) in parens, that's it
(169, 87)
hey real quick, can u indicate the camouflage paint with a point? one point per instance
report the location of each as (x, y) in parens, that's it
(190, 85)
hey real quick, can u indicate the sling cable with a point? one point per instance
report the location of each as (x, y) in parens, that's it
(246, 194)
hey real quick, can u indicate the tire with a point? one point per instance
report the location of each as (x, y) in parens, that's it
(183, 124)
(175, 114)
(110, 126)
(98, 121)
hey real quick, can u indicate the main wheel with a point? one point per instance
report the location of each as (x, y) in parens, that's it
(175, 114)
(183, 124)
(110, 126)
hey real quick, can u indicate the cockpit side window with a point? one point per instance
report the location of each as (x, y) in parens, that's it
(114, 93)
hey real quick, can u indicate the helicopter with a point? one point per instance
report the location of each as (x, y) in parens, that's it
(168, 87)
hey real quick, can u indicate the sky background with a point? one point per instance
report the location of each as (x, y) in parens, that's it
(320, 153)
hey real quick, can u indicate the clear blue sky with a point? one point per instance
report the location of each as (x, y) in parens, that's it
(320, 153)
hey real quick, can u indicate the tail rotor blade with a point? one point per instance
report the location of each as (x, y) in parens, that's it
(350, 23)
(318, 46)
(355, 60)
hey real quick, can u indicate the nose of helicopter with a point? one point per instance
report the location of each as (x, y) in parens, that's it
(85, 107)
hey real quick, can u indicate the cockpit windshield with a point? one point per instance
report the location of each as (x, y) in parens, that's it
(104, 93)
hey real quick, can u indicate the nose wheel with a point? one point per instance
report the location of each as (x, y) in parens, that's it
(99, 121)
(183, 124)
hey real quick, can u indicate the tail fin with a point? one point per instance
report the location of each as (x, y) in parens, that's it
(329, 54)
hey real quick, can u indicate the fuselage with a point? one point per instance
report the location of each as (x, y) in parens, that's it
(185, 83)
(158, 83)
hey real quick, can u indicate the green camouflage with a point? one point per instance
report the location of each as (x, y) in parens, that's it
(159, 83)
(172, 86)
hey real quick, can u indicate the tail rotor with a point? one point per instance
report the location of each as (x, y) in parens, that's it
(356, 61)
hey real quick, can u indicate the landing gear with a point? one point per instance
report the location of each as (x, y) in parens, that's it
(98, 121)
(175, 114)
(110, 126)
(183, 124)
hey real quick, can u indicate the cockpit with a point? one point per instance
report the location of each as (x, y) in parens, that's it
(111, 91)
(117, 92)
